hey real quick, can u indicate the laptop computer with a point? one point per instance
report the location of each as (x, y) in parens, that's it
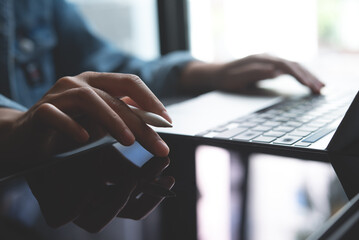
(301, 126)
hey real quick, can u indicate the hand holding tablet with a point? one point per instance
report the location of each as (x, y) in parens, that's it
(107, 179)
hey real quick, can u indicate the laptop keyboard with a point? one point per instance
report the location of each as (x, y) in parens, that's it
(298, 122)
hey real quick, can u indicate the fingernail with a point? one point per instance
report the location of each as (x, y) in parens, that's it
(83, 136)
(162, 148)
(127, 137)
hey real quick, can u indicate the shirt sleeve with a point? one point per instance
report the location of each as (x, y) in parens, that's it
(7, 103)
(80, 49)
(162, 75)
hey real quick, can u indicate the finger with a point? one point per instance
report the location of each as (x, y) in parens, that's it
(289, 67)
(66, 83)
(86, 100)
(302, 75)
(129, 101)
(317, 85)
(139, 208)
(145, 135)
(120, 85)
(109, 202)
(51, 116)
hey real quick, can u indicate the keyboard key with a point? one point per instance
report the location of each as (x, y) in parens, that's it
(264, 139)
(281, 119)
(287, 140)
(302, 144)
(304, 119)
(274, 112)
(299, 133)
(271, 123)
(283, 129)
(258, 120)
(315, 124)
(322, 120)
(293, 124)
(307, 128)
(247, 124)
(231, 125)
(289, 115)
(261, 128)
(230, 133)
(318, 135)
(220, 129)
(296, 111)
(274, 134)
(246, 135)
(267, 115)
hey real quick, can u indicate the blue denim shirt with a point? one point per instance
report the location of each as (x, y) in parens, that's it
(43, 40)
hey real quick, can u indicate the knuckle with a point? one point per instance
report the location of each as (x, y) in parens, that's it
(117, 104)
(69, 82)
(66, 80)
(87, 73)
(133, 79)
(87, 76)
(43, 109)
(84, 92)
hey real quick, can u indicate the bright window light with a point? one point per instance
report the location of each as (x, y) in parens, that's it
(231, 29)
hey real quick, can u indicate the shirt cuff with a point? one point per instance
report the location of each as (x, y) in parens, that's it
(7, 103)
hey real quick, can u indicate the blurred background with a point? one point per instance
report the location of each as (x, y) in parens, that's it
(287, 198)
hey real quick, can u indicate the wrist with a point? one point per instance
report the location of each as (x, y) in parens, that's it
(8, 117)
(200, 77)
(8, 121)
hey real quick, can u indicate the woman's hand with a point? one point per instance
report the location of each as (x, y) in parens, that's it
(240, 74)
(77, 109)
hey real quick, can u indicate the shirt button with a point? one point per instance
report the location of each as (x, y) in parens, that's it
(27, 45)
